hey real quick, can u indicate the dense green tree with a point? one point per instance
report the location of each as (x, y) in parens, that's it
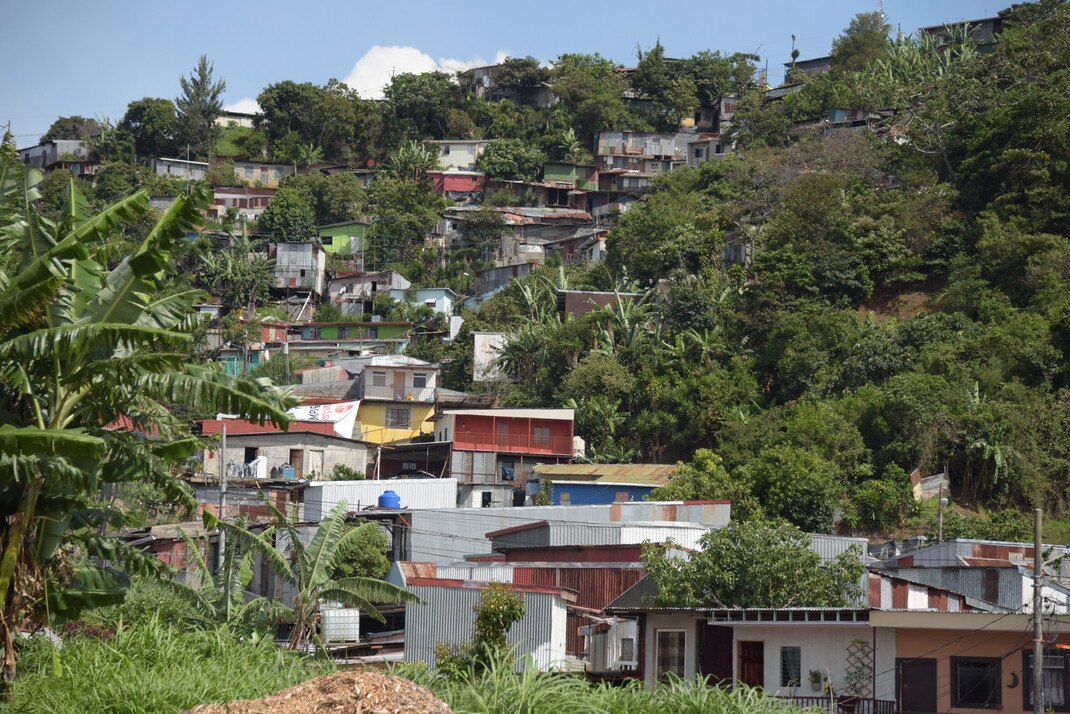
(706, 479)
(152, 124)
(72, 127)
(726, 573)
(592, 91)
(288, 217)
(418, 105)
(670, 232)
(198, 107)
(797, 485)
(865, 40)
(520, 73)
(510, 160)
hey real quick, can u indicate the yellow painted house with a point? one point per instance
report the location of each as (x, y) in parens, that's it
(397, 401)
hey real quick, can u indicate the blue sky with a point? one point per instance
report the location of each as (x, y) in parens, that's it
(92, 58)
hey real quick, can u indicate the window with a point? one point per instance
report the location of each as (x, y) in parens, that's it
(408, 466)
(445, 150)
(698, 153)
(790, 666)
(327, 240)
(378, 379)
(343, 333)
(249, 172)
(541, 435)
(1055, 681)
(397, 418)
(565, 499)
(670, 653)
(975, 682)
(627, 649)
(419, 380)
(373, 332)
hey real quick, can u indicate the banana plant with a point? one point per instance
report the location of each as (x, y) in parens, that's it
(310, 570)
(91, 360)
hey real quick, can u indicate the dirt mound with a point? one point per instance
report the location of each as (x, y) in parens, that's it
(340, 693)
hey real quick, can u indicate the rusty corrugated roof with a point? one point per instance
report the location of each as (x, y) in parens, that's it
(412, 569)
(645, 474)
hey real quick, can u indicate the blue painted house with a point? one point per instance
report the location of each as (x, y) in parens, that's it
(589, 484)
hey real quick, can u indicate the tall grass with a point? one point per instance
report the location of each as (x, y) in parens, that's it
(151, 668)
(499, 690)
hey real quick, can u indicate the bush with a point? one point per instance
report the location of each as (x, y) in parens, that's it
(344, 473)
(881, 504)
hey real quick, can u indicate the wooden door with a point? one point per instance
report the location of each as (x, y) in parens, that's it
(399, 384)
(752, 664)
(715, 652)
(297, 461)
(915, 685)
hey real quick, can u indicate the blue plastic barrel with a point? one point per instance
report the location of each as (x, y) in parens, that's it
(389, 499)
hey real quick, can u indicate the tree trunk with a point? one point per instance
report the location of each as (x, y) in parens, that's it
(18, 523)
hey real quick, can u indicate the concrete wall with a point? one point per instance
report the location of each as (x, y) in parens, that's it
(942, 645)
(372, 427)
(823, 647)
(316, 451)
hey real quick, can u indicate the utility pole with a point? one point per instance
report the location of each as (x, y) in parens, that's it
(940, 517)
(1038, 620)
(222, 490)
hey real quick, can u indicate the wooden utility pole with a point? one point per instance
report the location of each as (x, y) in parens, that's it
(222, 491)
(1038, 619)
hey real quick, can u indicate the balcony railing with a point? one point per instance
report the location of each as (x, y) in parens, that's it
(399, 394)
(841, 704)
(519, 443)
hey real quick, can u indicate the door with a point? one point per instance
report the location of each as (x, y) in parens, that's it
(297, 461)
(715, 652)
(315, 462)
(752, 663)
(399, 384)
(915, 685)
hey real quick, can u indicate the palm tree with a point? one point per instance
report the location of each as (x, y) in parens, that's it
(310, 569)
(91, 360)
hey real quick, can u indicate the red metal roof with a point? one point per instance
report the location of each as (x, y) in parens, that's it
(240, 426)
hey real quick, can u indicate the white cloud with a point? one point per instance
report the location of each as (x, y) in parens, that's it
(246, 105)
(373, 70)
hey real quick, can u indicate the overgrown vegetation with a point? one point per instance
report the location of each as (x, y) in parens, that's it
(152, 668)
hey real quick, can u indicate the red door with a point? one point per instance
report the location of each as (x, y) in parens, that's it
(752, 664)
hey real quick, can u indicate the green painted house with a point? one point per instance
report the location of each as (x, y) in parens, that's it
(346, 238)
(584, 178)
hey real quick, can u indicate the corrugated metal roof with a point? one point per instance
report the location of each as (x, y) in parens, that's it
(643, 474)
(411, 569)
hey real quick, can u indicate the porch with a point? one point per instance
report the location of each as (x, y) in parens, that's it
(840, 704)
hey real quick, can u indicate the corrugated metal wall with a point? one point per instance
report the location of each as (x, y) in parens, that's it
(1002, 586)
(451, 534)
(447, 617)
